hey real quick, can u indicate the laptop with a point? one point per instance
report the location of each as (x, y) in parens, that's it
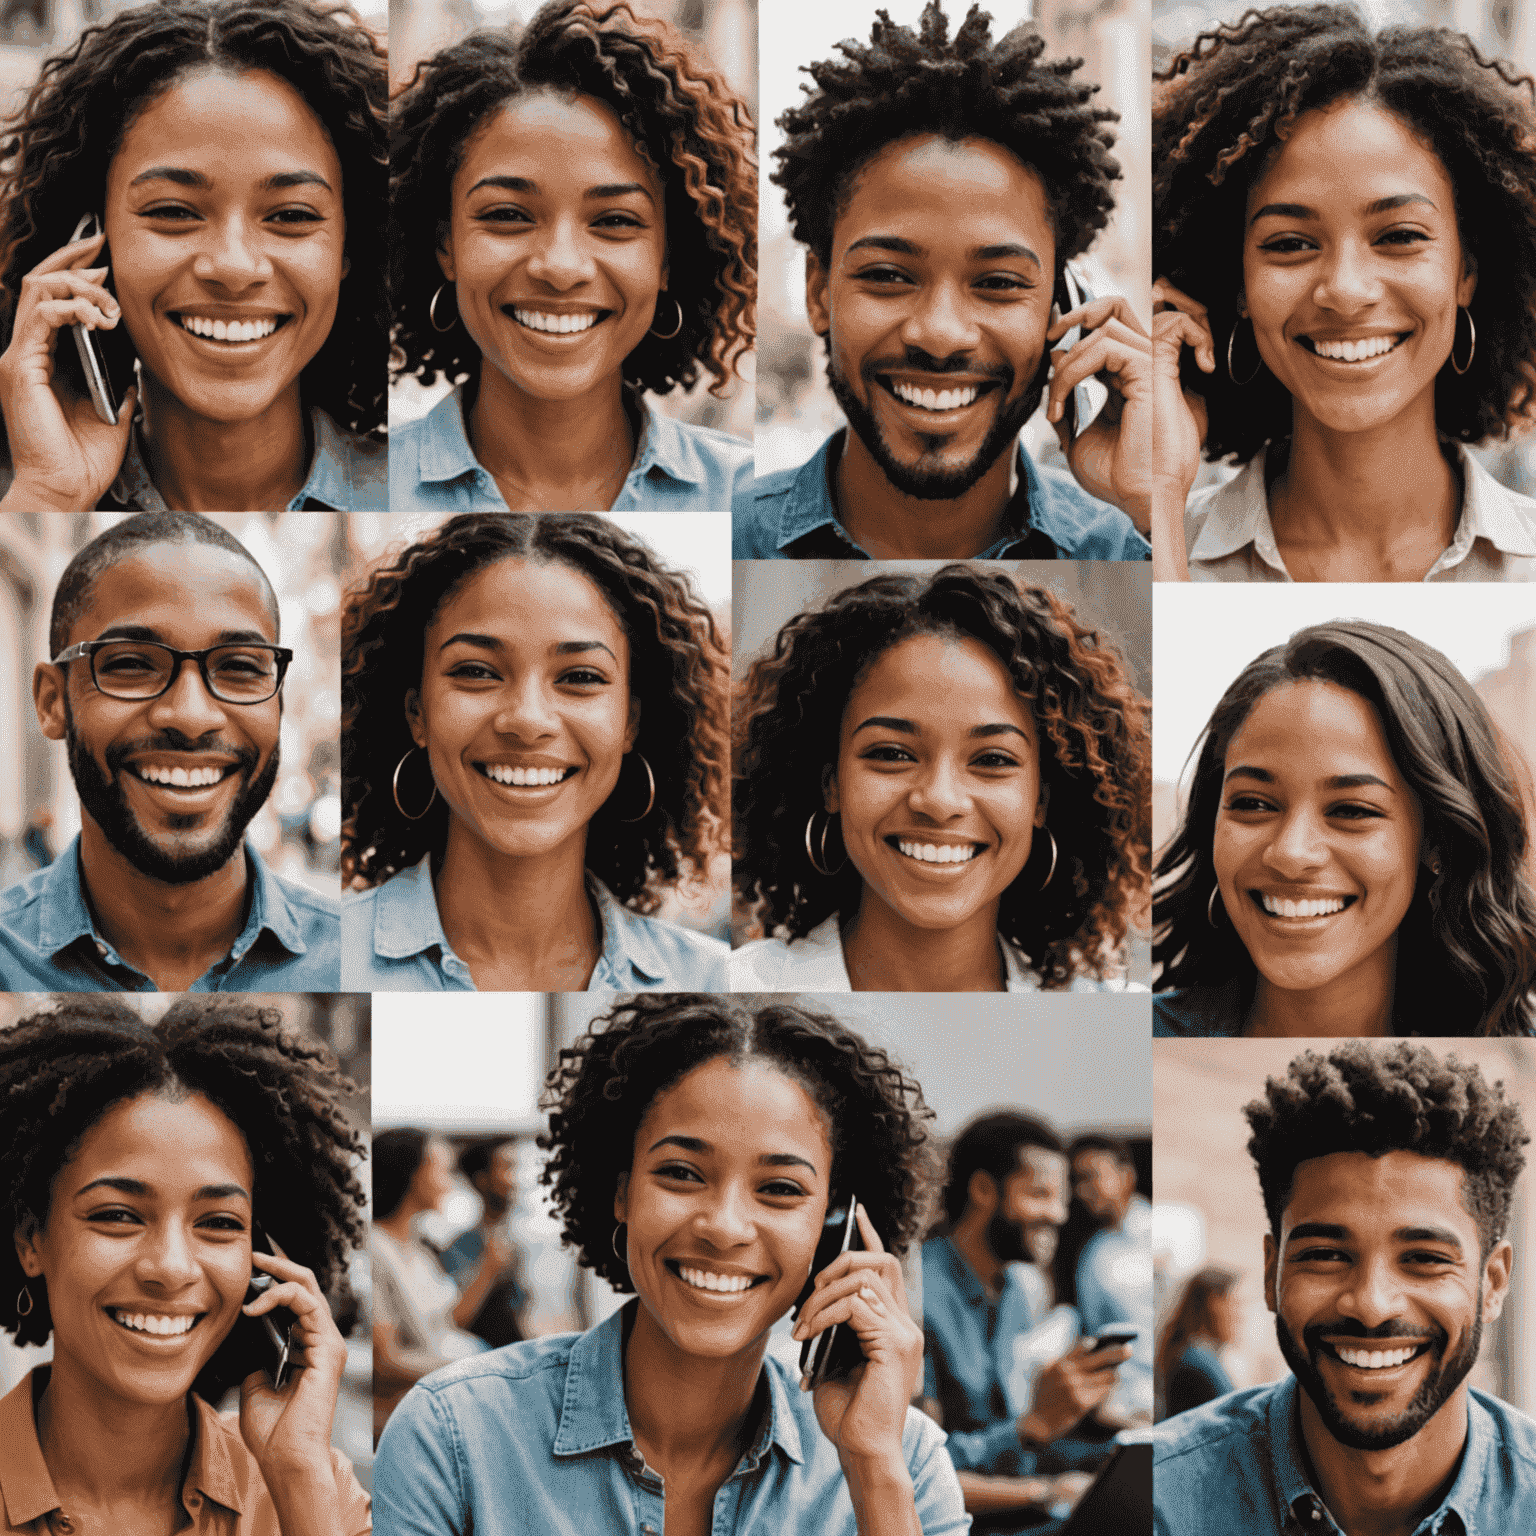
(1119, 1500)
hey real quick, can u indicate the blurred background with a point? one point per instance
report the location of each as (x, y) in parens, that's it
(298, 831)
(341, 1022)
(727, 32)
(697, 543)
(1208, 1210)
(795, 409)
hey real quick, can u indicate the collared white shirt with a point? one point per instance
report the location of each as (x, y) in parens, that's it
(1229, 536)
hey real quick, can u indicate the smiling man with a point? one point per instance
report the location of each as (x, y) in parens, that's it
(165, 683)
(1387, 1178)
(940, 186)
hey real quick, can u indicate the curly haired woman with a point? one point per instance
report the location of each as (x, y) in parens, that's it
(144, 1169)
(942, 785)
(232, 155)
(1345, 232)
(533, 750)
(574, 225)
(700, 1146)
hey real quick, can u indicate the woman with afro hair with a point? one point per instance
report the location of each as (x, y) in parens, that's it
(1345, 236)
(941, 784)
(574, 225)
(703, 1151)
(534, 748)
(182, 1197)
(192, 279)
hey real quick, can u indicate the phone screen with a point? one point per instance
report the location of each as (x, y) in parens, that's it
(836, 1350)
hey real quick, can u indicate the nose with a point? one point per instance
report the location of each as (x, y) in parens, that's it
(187, 706)
(726, 1221)
(1297, 847)
(231, 254)
(525, 711)
(940, 793)
(1372, 1295)
(165, 1261)
(940, 321)
(560, 257)
(1349, 280)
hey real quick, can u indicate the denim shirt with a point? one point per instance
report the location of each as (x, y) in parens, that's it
(1236, 1465)
(348, 473)
(1202, 1012)
(1114, 1285)
(678, 467)
(791, 516)
(536, 1438)
(49, 942)
(392, 940)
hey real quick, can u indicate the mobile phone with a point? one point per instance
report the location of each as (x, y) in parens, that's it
(836, 1350)
(275, 1327)
(1115, 1338)
(1079, 407)
(105, 358)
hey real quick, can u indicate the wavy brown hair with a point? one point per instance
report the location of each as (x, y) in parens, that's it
(685, 121)
(1094, 755)
(677, 670)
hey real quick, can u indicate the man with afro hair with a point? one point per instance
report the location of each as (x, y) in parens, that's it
(1387, 1176)
(940, 186)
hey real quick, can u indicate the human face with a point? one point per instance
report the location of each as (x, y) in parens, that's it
(526, 676)
(723, 1205)
(938, 780)
(146, 1249)
(1033, 1206)
(1379, 1261)
(937, 304)
(1351, 242)
(190, 596)
(432, 1182)
(1316, 821)
(224, 207)
(1103, 1184)
(1221, 1316)
(557, 244)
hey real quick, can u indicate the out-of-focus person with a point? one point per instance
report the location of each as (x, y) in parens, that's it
(1204, 1321)
(491, 1169)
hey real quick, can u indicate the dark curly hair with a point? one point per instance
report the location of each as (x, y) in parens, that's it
(63, 139)
(676, 670)
(1225, 105)
(1400, 1098)
(906, 83)
(685, 121)
(63, 1069)
(598, 1095)
(1094, 746)
(1466, 951)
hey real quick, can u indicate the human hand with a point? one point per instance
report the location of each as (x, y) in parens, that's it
(1179, 321)
(499, 1251)
(1069, 1389)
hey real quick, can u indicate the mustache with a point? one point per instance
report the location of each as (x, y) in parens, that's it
(1350, 1328)
(915, 359)
(116, 756)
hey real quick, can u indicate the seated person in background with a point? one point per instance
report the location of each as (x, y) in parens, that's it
(1189, 1370)
(1005, 1196)
(491, 1167)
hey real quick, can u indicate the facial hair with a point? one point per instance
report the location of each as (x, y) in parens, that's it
(1007, 1241)
(1435, 1390)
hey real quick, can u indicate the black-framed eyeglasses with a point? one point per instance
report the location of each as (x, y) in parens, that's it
(144, 669)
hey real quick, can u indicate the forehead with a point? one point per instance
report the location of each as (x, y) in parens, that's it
(170, 1144)
(1366, 1195)
(528, 599)
(181, 591)
(1314, 729)
(938, 681)
(1040, 1166)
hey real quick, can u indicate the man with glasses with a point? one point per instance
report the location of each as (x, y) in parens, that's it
(166, 684)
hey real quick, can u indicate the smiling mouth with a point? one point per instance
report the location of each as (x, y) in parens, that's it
(935, 853)
(1375, 1359)
(230, 332)
(183, 778)
(955, 398)
(156, 1324)
(1276, 906)
(708, 1280)
(555, 325)
(1361, 351)
(524, 778)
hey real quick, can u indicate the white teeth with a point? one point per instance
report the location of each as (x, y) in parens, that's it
(182, 778)
(1277, 907)
(939, 853)
(936, 400)
(1355, 351)
(228, 330)
(1376, 1359)
(707, 1280)
(561, 325)
(148, 1322)
(524, 776)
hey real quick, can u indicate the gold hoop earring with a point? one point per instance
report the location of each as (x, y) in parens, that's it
(651, 800)
(1472, 351)
(432, 310)
(395, 786)
(676, 329)
(24, 1294)
(821, 868)
(1230, 339)
(1210, 906)
(1050, 874)
(613, 1242)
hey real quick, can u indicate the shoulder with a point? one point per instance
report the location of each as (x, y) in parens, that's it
(685, 467)
(756, 509)
(1193, 1443)
(353, 472)
(1084, 527)
(652, 953)
(1514, 1432)
(1197, 1011)
(535, 1365)
(311, 903)
(227, 1456)
(27, 892)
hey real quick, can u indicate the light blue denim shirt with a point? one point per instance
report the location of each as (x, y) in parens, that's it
(49, 942)
(678, 467)
(791, 516)
(1235, 1465)
(1114, 1285)
(347, 474)
(392, 940)
(534, 1440)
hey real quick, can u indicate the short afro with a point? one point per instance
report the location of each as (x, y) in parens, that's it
(1403, 1098)
(906, 83)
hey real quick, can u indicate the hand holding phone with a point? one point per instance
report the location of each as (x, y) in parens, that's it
(276, 1326)
(836, 1351)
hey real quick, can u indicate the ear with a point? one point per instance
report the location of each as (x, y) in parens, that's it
(1242, 304)
(817, 305)
(1496, 1271)
(632, 730)
(1271, 1270)
(1468, 285)
(829, 796)
(346, 265)
(621, 1198)
(26, 1235)
(445, 256)
(1042, 804)
(49, 693)
(981, 1190)
(413, 717)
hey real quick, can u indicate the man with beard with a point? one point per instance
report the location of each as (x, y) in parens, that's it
(1387, 1177)
(165, 682)
(1004, 1200)
(940, 186)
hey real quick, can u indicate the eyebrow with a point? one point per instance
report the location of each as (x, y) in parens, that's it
(1334, 1233)
(139, 1187)
(904, 247)
(1301, 211)
(907, 728)
(492, 643)
(768, 1159)
(1338, 781)
(184, 177)
(145, 632)
(605, 189)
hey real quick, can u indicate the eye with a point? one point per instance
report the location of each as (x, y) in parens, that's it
(176, 212)
(584, 677)
(1356, 812)
(883, 275)
(296, 216)
(618, 221)
(503, 214)
(1241, 803)
(1429, 1259)
(1287, 245)
(223, 1222)
(1004, 283)
(1320, 1256)
(1404, 237)
(995, 759)
(474, 672)
(783, 1188)
(116, 1215)
(679, 1171)
(887, 753)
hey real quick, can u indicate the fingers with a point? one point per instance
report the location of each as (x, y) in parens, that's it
(1173, 329)
(1091, 316)
(71, 255)
(867, 1231)
(1166, 296)
(1114, 349)
(285, 1269)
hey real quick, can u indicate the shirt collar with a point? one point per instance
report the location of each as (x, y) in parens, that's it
(664, 446)
(629, 952)
(443, 451)
(1491, 511)
(819, 965)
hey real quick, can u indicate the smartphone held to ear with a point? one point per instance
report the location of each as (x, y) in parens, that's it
(274, 1327)
(105, 357)
(1085, 400)
(835, 1351)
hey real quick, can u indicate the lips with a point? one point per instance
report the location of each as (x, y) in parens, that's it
(230, 331)
(179, 777)
(923, 852)
(713, 1281)
(1294, 909)
(937, 398)
(1356, 349)
(552, 323)
(1368, 1355)
(156, 1324)
(517, 776)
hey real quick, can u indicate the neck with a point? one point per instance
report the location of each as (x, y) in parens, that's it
(1359, 1003)
(172, 933)
(398, 1224)
(1386, 1493)
(255, 465)
(969, 1235)
(552, 455)
(885, 953)
(894, 526)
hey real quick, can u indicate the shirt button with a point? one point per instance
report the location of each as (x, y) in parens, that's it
(649, 1530)
(101, 948)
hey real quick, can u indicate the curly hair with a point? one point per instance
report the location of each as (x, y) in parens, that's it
(65, 136)
(882, 1152)
(906, 83)
(1226, 104)
(686, 123)
(1401, 1098)
(676, 670)
(61, 1070)
(1093, 755)
(1467, 947)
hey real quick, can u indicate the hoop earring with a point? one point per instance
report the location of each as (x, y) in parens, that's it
(1230, 339)
(432, 311)
(1050, 874)
(24, 1294)
(652, 800)
(1472, 327)
(1210, 906)
(395, 786)
(613, 1242)
(821, 868)
(676, 329)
